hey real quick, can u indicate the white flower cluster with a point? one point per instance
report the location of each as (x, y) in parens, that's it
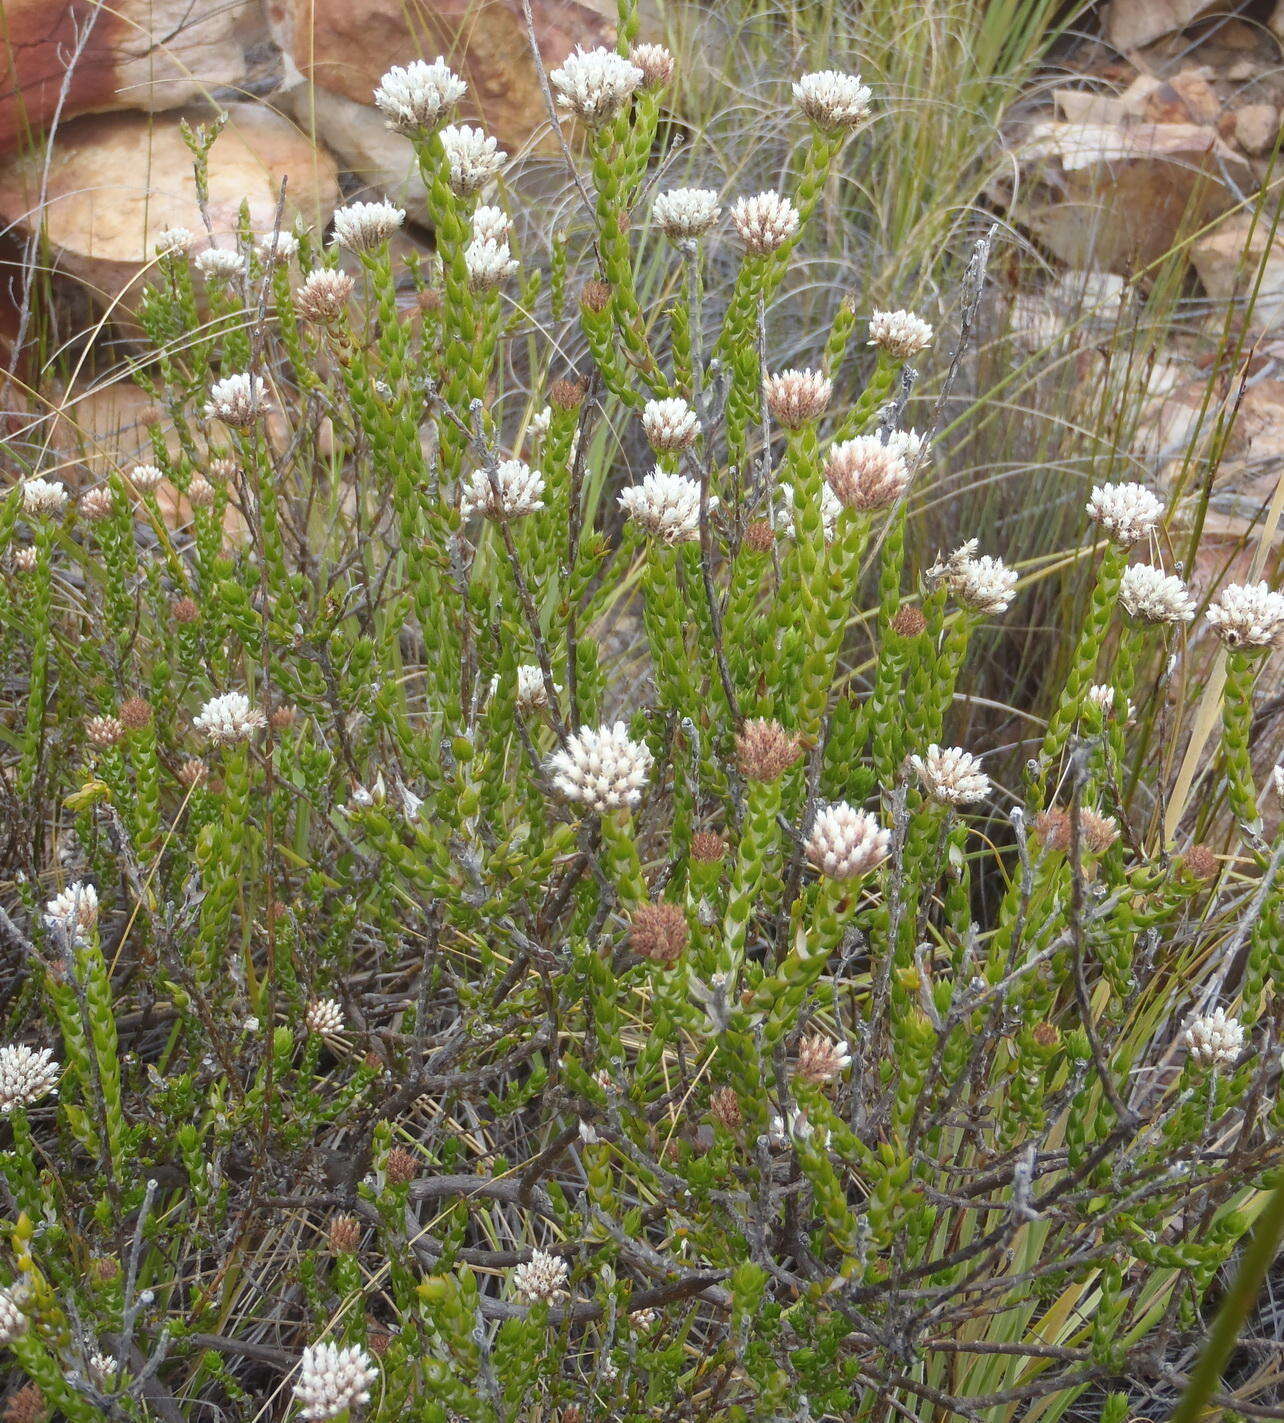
(474, 159)
(951, 775)
(595, 84)
(332, 1379)
(666, 505)
(1154, 596)
(685, 212)
(146, 477)
(324, 1017)
(323, 297)
(797, 397)
(1215, 1040)
(26, 1075)
(238, 400)
(13, 1319)
(174, 241)
(670, 424)
(764, 222)
(833, 100)
(43, 498)
(865, 473)
(489, 263)
(542, 1277)
(1104, 697)
(831, 508)
(900, 334)
(277, 247)
(515, 489)
(845, 843)
(74, 912)
(532, 694)
(229, 718)
(1125, 513)
(417, 95)
(217, 264)
(363, 227)
(1247, 615)
(601, 767)
(984, 584)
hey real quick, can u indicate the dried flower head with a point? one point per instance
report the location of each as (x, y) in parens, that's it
(532, 693)
(192, 772)
(595, 296)
(344, 1234)
(277, 248)
(418, 95)
(760, 537)
(1054, 829)
(26, 1075)
(567, 394)
(908, 621)
(659, 932)
(400, 1166)
(1201, 862)
(324, 1017)
(490, 264)
(724, 1108)
(595, 84)
(174, 242)
(667, 506)
(364, 227)
(27, 1405)
(865, 474)
(238, 400)
(670, 424)
(1214, 1040)
(682, 213)
(899, 334)
(655, 62)
(601, 767)
(1154, 596)
(229, 718)
(323, 297)
(514, 489)
(984, 584)
(185, 611)
(795, 398)
(332, 1379)
(708, 847)
(97, 504)
(104, 731)
(820, 1060)
(542, 1277)
(1246, 615)
(765, 750)
(832, 100)
(951, 775)
(13, 1320)
(1125, 513)
(474, 158)
(135, 713)
(217, 264)
(43, 498)
(845, 843)
(146, 477)
(764, 222)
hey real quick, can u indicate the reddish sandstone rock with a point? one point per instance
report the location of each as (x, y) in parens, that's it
(131, 54)
(337, 51)
(117, 180)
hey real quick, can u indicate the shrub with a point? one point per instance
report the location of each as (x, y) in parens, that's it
(425, 1004)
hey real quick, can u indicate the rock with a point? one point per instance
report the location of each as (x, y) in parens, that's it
(337, 51)
(1129, 24)
(115, 181)
(1241, 71)
(137, 54)
(1196, 93)
(1083, 106)
(1276, 22)
(1115, 198)
(1256, 126)
(1227, 261)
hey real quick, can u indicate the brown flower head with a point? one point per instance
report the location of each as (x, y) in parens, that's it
(765, 750)
(659, 932)
(344, 1234)
(567, 394)
(596, 296)
(400, 1166)
(724, 1108)
(909, 621)
(708, 847)
(1201, 863)
(185, 610)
